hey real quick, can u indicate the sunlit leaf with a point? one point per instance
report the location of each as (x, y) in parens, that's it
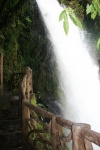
(99, 12)
(76, 21)
(95, 5)
(66, 19)
(79, 24)
(93, 15)
(92, 8)
(33, 101)
(62, 14)
(66, 25)
(88, 9)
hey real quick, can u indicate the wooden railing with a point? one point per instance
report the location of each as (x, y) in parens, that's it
(51, 135)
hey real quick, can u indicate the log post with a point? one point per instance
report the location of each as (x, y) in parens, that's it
(54, 132)
(79, 142)
(26, 92)
(88, 145)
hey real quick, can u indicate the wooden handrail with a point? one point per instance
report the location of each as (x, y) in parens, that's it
(92, 136)
(87, 133)
(80, 133)
(65, 123)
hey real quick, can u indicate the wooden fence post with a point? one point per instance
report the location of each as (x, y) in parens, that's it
(81, 133)
(54, 133)
(26, 92)
(79, 142)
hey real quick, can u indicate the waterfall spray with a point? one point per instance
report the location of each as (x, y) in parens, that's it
(78, 73)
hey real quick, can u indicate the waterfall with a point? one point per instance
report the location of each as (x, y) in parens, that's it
(78, 73)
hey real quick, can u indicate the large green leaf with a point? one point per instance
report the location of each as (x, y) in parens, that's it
(65, 24)
(88, 9)
(62, 14)
(93, 15)
(75, 19)
(79, 24)
(94, 9)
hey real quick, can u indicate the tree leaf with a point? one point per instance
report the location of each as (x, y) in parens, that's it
(62, 14)
(76, 21)
(66, 18)
(93, 15)
(33, 100)
(79, 24)
(88, 9)
(66, 25)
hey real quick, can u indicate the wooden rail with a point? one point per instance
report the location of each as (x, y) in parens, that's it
(51, 135)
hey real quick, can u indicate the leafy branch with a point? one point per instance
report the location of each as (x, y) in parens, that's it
(93, 9)
(69, 12)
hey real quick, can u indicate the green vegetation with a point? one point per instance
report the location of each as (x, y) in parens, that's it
(38, 126)
(24, 42)
(41, 133)
(75, 6)
(69, 12)
(94, 10)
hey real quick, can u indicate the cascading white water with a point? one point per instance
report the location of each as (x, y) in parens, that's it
(78, 74)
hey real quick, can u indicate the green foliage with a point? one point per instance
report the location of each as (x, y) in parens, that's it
(39, 126)
(10, 35)
(64, 16)
(33, 100)
(11, 53)
(65, 24)
(13, 3)
(69, 12)
(34, 136)
(74, 4)
(94, 10)
(24, 43)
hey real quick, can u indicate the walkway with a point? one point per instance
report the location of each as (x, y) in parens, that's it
(10, 124)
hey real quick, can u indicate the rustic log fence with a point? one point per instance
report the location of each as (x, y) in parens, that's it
(51, 134)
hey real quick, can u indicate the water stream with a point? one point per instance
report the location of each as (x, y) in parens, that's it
(79, 84)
